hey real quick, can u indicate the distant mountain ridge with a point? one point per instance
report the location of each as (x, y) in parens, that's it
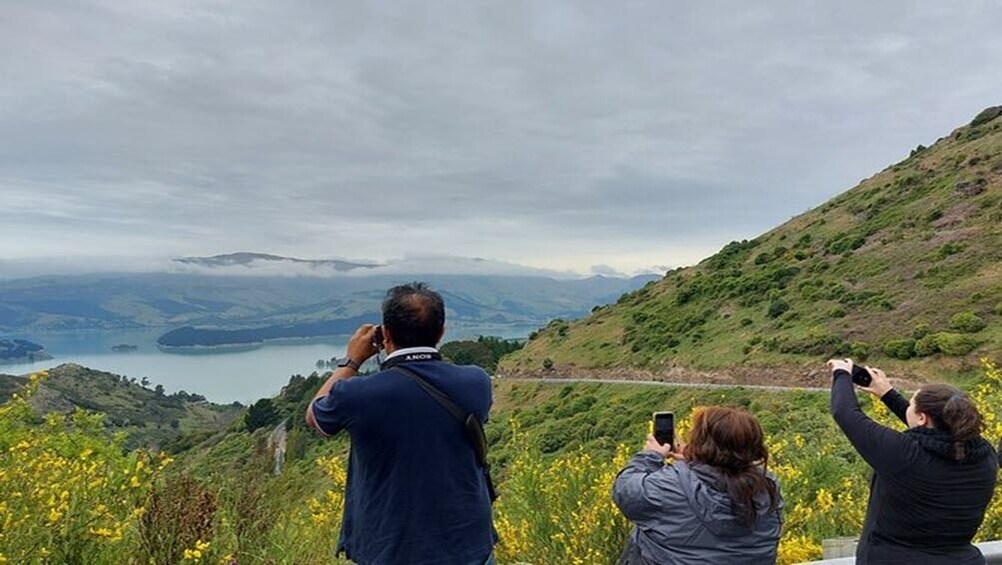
(223, 302)
(907, 265)
(247, 258)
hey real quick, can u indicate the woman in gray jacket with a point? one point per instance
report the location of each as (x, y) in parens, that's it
(715, 504)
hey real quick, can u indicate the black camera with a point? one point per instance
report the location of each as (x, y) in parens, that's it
(861, 376)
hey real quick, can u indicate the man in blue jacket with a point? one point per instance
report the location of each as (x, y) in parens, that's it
(415, 493)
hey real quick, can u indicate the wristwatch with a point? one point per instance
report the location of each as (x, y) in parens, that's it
(349, 362)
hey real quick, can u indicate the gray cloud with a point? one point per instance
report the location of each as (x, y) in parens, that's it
(560, 135)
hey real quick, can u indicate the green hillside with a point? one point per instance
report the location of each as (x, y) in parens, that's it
(148, 417)
(907, 265)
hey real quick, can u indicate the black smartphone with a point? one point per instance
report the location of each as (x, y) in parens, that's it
(664, 428)
(377, 338)
(861, 376)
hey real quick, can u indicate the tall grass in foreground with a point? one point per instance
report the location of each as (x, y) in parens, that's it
(68, 495)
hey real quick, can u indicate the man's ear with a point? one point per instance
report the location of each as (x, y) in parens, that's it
(387, 337)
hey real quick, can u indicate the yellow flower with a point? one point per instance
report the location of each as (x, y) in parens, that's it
(824, 500)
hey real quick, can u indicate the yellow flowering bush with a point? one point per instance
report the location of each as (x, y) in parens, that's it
(67, 493)
(560, 511)
(988, 396)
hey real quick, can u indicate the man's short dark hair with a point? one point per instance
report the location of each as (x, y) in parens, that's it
(414, 314)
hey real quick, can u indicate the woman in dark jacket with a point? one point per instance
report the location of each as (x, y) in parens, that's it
(715, 504)
(931, 483)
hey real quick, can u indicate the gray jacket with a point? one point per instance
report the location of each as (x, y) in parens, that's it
(682, 515)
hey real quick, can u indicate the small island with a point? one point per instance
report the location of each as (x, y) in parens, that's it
(124, 347)
(21, 351)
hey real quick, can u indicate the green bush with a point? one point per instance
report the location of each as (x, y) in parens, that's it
(927, 345)
(955, 344)
(844, 243)
(859, 350)
(261, 414)
(777, 307)
(547, 363)
(921, 330)
(998, 309)
(746, 322)
(949, 249)
(967, 322)
(900, 348)
(837, 312)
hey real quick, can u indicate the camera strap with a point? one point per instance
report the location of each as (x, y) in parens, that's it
(474, 429)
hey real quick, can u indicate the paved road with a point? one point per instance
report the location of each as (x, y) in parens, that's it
(774, 388)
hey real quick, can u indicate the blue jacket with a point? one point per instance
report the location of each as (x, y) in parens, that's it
(415, 493)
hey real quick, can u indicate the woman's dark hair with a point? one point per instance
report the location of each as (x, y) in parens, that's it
(732, 441)
(414, 314)
(951, 410)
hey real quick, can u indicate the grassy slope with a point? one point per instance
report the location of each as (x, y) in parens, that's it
(147, 418)
(902, 248)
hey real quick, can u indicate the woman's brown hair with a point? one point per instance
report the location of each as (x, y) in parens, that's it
(952, 411)
(732, 440)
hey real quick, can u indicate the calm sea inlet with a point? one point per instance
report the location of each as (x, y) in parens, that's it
(242, 374)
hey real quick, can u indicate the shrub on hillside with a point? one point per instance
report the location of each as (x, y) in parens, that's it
(179, 516)
(859, 350)
(921, 330)
(967, 322)
(844, 243)
(777, 307)
(261, 414)
(955, 344)
(900, 348)
(927, 345)
(949, 249)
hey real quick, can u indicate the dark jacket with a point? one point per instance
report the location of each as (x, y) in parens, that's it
(415, 494)
(924, 507)
(682, 514)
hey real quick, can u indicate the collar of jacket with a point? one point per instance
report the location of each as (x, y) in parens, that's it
(940, 443)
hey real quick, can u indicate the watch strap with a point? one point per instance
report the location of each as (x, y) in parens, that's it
(349, 362)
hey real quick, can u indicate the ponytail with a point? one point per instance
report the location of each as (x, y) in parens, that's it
(953, 411)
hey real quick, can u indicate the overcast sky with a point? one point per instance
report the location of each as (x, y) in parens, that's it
(562, 135)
